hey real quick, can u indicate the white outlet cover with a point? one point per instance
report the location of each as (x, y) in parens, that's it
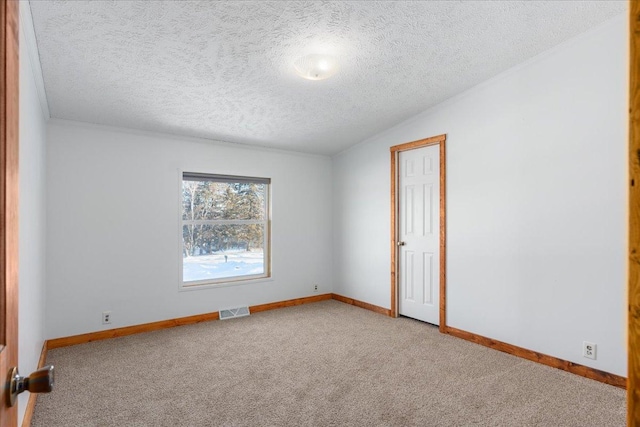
(589, 350)
(106, 317)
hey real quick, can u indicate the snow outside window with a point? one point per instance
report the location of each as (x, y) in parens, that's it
(225, 229)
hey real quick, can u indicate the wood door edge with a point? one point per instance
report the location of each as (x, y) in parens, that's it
(9, 202)
(633, 293)
(394, 235)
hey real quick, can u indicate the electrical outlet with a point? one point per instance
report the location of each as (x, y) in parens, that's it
(589, 350)
(315, 288)
(106, 317)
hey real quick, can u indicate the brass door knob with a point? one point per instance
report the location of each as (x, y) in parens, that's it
(40, 381)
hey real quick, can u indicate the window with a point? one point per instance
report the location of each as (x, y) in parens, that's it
(225, 229)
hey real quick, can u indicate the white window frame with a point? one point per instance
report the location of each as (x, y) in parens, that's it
(266, 222)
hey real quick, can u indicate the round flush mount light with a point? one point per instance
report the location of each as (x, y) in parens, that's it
(316, 67)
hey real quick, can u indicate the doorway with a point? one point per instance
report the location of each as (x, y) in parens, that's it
(418, 230)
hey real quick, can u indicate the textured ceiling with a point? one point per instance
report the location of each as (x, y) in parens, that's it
(224, 70)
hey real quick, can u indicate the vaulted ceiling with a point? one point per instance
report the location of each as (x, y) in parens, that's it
(224, 70)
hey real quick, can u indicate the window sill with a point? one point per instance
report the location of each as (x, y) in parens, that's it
(198, 287)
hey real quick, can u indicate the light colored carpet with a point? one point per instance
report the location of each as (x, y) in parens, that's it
(322, 364)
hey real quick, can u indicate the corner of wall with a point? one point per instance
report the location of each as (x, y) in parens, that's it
(28, 31)
(32, 210)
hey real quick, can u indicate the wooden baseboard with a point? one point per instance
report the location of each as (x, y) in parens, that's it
(534, 356)
(289, 303)
(361, 304)
(31, 404)
(554, 362)
(164, 324)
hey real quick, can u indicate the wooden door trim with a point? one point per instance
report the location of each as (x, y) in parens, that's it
(633, 355)
(439, 139)
(9, 126)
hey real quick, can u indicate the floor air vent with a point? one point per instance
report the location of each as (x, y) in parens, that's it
(234, 312)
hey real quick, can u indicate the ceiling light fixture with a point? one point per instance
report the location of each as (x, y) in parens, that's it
(316, 67)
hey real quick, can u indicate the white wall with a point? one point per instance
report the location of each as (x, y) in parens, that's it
(114, 226)
(536, 203)
(32, 223)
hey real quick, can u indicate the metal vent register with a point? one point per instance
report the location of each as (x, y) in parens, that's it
(234, 312)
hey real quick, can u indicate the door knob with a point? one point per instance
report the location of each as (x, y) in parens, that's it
(40, 381)
(401, 243)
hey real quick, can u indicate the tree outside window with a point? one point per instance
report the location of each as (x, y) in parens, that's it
(225, 228)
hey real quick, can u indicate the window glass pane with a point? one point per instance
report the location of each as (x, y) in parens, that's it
(222, 251)
(210, 200)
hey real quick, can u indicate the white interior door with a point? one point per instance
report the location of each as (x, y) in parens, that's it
(419, 233)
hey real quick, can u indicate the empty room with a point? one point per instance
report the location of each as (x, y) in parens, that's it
(245, 213)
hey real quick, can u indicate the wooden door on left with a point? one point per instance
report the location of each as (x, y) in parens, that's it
(9, 72)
